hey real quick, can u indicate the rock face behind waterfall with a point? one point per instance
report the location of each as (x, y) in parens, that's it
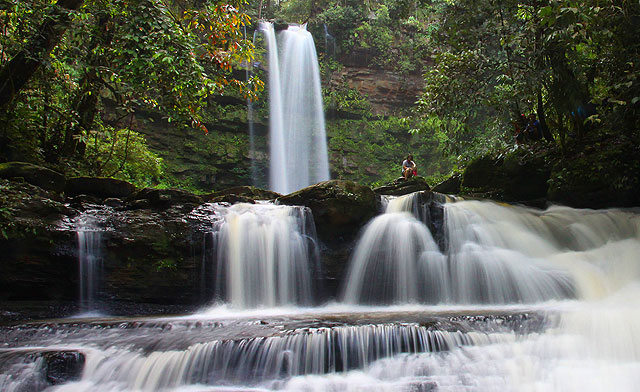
(340, 209)
(153, 240)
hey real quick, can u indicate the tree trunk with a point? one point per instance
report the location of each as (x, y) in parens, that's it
(17, 72)
(544, 128)
(86, 103)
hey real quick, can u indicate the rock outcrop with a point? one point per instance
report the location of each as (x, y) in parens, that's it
(385, 89)
(514, 178)
(241, 194)
(340, 208)
(98, 186)
(403, 187)
(37, 175)
(450, 186)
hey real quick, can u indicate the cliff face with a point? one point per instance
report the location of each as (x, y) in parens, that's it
(386, 90)
(222, 158)
(155, 246)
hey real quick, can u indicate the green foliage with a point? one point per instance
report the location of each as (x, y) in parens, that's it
(118, 57)
(497, 60)
(370, 151)
(123, 154)
(347, 100)
(166, 264)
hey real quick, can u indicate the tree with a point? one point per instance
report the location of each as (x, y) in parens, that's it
(497, 59)
(16, 73)
(111, 58)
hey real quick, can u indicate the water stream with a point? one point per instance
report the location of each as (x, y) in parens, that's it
(89, 236)
(512, 299)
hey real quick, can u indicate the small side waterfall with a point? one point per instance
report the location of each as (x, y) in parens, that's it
(298, 145)
(89, 237)
(266, 255)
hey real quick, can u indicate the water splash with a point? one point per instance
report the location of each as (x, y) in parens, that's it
(298, 146)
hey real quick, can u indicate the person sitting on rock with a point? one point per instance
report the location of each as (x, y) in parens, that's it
(409, 167)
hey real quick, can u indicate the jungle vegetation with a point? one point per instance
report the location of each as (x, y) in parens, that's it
(73, 72)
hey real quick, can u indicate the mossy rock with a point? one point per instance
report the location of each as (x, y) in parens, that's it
(403, 187)
(449, 186)
(33, 174)
(606, 173)
(517, 177)
(163, 198)
(340, 207)
(242, 194)
(98, 186)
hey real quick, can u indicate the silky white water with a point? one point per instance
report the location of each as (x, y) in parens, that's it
(298, 145)
(89, 238)
(266, 255)
(494, 254)
(517, 299)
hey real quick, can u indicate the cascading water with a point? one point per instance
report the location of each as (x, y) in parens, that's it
(397, 260)
(578, 271)
(89, 237)
(266, 255)
(298, 146)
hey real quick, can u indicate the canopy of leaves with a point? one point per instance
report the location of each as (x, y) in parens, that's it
(114, 58)
(496, 60)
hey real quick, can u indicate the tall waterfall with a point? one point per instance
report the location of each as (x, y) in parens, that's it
(298, 146)
(265, 255)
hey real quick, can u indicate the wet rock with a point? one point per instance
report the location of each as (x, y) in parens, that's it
(340, 207)
(37, 175)
(242, 194)
(403, 187)
(98, 186)
(33, 265)
(449, 186)
(113, 202)
(63, 366)
(138, 204)
(232, 199)
(163, 198)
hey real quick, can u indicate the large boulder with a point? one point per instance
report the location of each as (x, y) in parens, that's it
(403, 187)
(449, 186)
(163, 198)
(514, 178)
(37, 175)
(98, 186)
(340, 207)
(241, 194)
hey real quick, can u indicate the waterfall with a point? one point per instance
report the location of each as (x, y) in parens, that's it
(496, 254)
(264, 361)
(298, 146)
(328, 38)
(266, 255)
(525, 300)
(89, 238)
